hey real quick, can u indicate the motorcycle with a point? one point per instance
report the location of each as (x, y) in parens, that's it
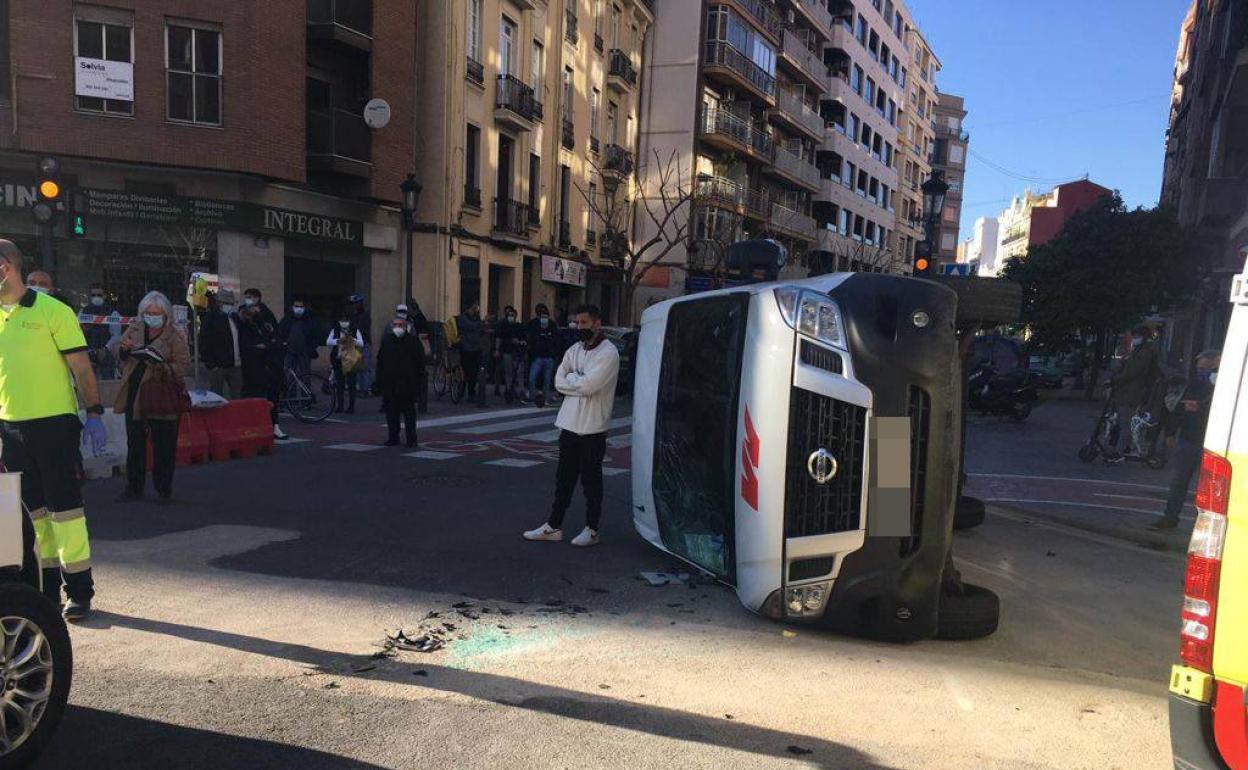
(1007, 395)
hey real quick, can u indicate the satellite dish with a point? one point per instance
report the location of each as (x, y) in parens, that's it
(377, 113)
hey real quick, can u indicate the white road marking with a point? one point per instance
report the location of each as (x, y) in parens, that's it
(291, 440)
(1142, 511)
(613, 471)
(620, 442)
(512, 462)
(1063, 478)
(355, 447)
(499, 427)
(551, 436)
(431, 455)
(459, 419)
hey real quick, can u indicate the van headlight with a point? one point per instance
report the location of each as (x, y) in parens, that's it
(805, 601)
(812, 314)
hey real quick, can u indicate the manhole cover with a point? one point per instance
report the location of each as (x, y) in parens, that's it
(440, 480)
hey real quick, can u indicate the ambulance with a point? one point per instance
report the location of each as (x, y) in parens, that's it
(1209, 689)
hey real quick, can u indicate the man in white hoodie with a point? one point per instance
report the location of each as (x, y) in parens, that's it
(586, 378)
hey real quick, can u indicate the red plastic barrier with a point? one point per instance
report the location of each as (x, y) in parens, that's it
(239, 429)
(193, 442)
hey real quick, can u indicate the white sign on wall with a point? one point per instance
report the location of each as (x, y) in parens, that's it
(104, 79)
(558, 270)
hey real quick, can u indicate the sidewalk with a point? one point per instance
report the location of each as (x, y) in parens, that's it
(1032, 470)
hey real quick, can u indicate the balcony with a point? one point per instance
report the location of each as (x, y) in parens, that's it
(794, 169)
(514, 103)
(599, 46)
(816, 16)
(475, 71)
(570, 31)
(724, 130)
(568, 133)
(756, 204)
(718, 192)
(793, 112)
(802, 61)
(621, 75)
(725, 63)
(1222, 201)
(765, 16)
(346, 23)
(795, 224)
(618, 161)
(565, 235)
(339, 143)
(472, 197)
(511, 220)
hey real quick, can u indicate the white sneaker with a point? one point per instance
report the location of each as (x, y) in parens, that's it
(278, 433)
(587, 537)
(546, 533)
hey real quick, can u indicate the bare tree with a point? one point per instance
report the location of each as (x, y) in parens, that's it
(188, 246)
(865, 256)
(662, 207)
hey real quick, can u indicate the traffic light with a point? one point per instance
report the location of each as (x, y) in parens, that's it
(925, 265)
(77, 223)
(49, 197)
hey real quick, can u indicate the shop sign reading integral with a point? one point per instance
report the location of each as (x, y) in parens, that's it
(102, 79)
(559, 270)
(241, 216)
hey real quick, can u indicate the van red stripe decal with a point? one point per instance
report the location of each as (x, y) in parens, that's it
(750, 453)
(1230, 725)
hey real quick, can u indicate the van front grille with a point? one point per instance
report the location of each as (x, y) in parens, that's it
(818, 422)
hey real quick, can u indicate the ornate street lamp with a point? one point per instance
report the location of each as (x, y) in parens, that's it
(411, 196)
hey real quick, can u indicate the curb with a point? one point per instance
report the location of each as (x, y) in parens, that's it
(1174, 542)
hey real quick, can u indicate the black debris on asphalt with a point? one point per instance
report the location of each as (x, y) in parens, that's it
(799, 751)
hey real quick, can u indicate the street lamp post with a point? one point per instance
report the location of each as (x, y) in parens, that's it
(934, 191)
(411, 195)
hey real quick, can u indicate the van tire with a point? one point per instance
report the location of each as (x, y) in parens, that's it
(972, 613)
(986, 301)
(969, 513)
(19, 600)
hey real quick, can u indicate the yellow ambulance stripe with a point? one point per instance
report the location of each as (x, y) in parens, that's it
(1230, 639)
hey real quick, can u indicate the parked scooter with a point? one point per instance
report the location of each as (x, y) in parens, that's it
(1008, 395)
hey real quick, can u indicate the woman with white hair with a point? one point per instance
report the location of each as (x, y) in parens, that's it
(155, 360)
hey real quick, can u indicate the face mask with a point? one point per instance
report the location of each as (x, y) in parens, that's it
(585, 334)
(298, 311)
(97, 301)
(1213, 378)
(228, 309)
(1136, 341)
(399, 331)
(344, 325)
(153, 321)
(40, 289)
(511, 317)
(545, 321)
(249, 301)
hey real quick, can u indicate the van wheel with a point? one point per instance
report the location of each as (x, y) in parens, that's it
(969, 513)
(972, 613)
(35, 675)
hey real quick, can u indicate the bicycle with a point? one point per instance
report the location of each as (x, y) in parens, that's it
(448, 376)
(308, 397)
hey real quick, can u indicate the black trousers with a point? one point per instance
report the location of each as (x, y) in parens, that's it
(46, 453)
(422, 390)
(579, 456)
(164, 436)
(261, 381)
(407, 408)
(471, 361)
(344, 383)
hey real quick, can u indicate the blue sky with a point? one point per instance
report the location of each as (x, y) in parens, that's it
(1056, 90)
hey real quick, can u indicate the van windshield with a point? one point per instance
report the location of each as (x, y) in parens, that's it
(696, 430)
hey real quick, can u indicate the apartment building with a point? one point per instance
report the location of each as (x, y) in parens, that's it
(1035, 219)
(980, 250)
(1206, 169)
(531, 112)
(226, 138)
(949, 158)
(918, 135)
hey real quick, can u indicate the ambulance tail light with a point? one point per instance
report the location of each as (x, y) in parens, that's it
(1204, 563)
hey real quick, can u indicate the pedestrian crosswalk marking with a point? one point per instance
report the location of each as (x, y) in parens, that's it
(431, 455)
(292, 440)
(495, 427)
(512, 462)
(355, 447)
(459, 419)
(620, 442)
(551, 436)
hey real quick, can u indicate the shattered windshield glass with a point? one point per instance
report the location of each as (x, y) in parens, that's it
(696, 430)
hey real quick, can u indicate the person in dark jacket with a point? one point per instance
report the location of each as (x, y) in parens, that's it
(362, 321)
(509, 344)
(471, 341)
(262, 361)
(1185, 433)
(219, 348)
(400, 364)
(417, 326)
(345, 340)
(301, 335)
(254, 298)
(98, 335)
(543, 342)
(1135, 385)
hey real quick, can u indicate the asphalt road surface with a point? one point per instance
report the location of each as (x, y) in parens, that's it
(239, 628)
